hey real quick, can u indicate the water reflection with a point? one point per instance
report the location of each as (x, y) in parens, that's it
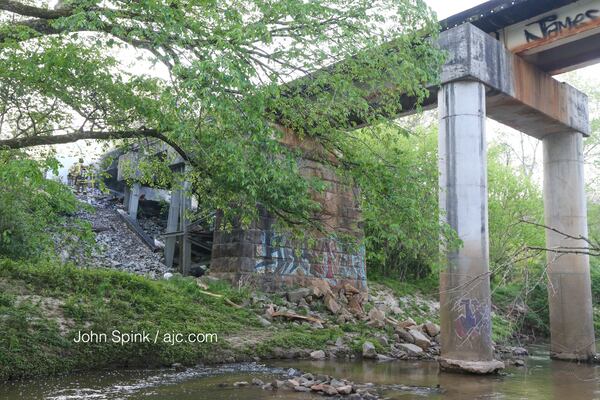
(541, 379)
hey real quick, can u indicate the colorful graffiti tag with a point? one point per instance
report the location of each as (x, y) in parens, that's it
(473, 318)
(324, 261)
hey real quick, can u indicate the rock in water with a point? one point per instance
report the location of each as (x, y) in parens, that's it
(368, 350)
(318, 355)
(410, 349)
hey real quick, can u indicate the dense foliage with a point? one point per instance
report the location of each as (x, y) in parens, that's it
(216, 80)
(398, 178)
(34, 211)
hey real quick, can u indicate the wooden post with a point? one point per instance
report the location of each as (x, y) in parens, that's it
(185, 254)
(126, 196)
(172, 226)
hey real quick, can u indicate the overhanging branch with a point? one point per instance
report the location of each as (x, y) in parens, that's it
(31, 141)
(31, 11)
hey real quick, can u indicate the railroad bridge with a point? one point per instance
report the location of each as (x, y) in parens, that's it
(501, 58)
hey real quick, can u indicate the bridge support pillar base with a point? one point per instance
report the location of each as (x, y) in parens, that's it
(471, 367)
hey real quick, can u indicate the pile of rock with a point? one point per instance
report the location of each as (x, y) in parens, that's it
(320, 384)
(409, 340)
(117, 247)
(345, 301)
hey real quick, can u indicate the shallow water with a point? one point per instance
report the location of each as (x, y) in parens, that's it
(541, 379)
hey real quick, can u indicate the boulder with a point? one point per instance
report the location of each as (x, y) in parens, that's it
(318, 355)
(376, 318)
(331, 304)
(519, 363)
(355, 303)
(474, 367)
(368, 350)
(308, 377)
(432, 329)
(291, 383)
(257, 382)
(407, 323)
(329, 390)
(277, 384)
(349, 289)
(383, 358)
(336, 383)
(346, 389)
(382, 340)
(263, 321)
(320, 288)
(520, 351)
(404, 335)
(410, 349)
(295, 296)
(420, 339)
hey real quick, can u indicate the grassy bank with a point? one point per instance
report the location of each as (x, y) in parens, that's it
(44, 305)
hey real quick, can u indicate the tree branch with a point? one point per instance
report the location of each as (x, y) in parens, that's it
(30, 141)
(30, 11)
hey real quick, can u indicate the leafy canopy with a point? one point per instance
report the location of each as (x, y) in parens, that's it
(216, 79)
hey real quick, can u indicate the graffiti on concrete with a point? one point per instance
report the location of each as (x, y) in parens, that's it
(473, 318)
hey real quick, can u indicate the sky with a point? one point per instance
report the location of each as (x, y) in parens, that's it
(446, 8)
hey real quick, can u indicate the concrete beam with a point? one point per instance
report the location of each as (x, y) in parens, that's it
(518, 93)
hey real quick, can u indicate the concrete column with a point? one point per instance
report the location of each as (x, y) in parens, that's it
(569, 289)
(134, 201)
(465, 304)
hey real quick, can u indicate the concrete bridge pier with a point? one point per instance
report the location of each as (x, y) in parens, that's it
(465, 309)
(569, 285)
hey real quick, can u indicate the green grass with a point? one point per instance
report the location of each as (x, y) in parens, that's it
(101, 300)
(427, 287)
(297, 337)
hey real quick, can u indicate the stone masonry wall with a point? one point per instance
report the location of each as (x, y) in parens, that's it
(261, 256)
